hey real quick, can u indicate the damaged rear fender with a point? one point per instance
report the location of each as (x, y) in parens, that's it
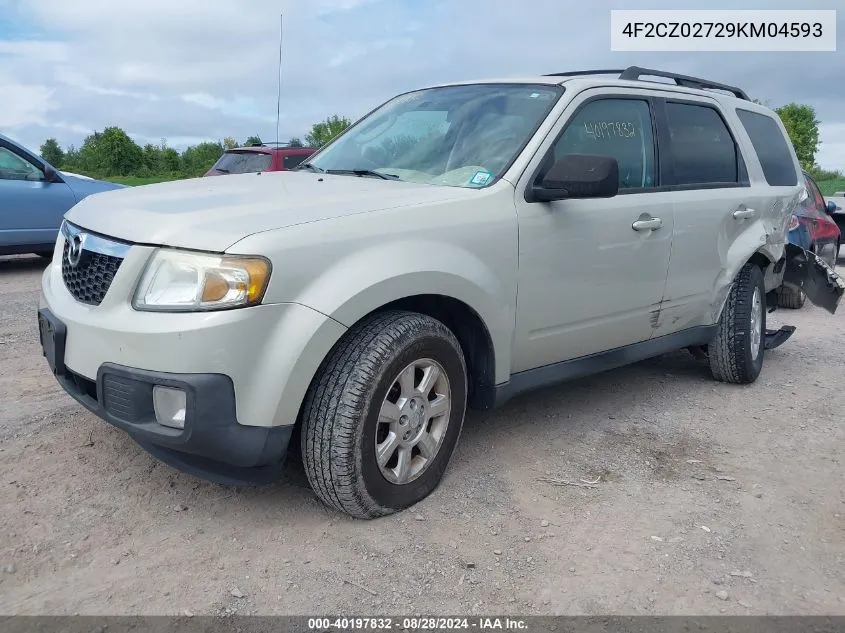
(807, 272)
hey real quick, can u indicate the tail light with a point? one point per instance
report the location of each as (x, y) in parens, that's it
(793, 223)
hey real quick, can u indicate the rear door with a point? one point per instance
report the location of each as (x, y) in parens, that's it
(31, 208)
(716, 206)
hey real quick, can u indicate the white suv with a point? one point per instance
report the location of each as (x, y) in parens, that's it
(457, 246)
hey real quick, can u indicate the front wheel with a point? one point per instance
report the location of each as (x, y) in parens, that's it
(384, 413)
(736, 353)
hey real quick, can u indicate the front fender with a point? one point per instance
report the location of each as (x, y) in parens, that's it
(366, 280)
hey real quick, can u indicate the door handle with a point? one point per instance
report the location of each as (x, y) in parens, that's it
(744, 214)
(647, 224)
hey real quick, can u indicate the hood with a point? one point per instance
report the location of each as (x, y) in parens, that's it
(70, 173)
(214, 213)
(82, 186)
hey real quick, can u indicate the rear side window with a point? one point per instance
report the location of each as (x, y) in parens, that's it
(703, 150)
(771, 148)
(293, 160)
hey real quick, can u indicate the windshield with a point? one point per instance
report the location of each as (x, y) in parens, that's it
(460, 136)
(243, 162)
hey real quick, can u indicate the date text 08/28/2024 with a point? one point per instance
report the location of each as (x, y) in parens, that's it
(329, 624)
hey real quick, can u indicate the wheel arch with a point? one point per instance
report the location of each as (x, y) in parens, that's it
(472, 333)
(466, 324)
(765, 259)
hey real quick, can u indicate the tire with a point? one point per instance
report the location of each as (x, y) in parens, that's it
(342, 420)
(45, 254)
(790, 298)
(734, 357)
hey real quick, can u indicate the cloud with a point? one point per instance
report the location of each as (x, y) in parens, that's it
(206, 69)
(35, 51)
(25, 105)
(204, 99)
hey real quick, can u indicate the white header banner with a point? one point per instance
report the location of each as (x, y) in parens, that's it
(723, 30)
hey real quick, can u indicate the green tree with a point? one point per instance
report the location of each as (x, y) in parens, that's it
(803, 128)
(71, 159)
(252, 140)
(171, 161)
(110, 153)
(52, 153)
(152, 159)
(198, 159)
(295, 142)
(230, 143)
(324, 131)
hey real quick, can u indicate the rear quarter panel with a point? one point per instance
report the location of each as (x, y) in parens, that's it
(767, 234)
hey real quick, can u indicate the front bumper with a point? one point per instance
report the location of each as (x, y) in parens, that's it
(246, 371)
(212, 444)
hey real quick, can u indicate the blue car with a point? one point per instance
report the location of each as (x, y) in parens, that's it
(34, 196)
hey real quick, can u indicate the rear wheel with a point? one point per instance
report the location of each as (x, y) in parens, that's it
(736, 353)
(790, 298)
(383, 416)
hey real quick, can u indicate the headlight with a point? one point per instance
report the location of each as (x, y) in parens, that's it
(183, 281)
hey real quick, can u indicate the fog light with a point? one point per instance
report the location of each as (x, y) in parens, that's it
(169, 405)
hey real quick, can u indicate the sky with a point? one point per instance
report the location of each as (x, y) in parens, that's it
(195, 70)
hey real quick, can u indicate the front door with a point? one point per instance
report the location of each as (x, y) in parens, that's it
(31, 208)
(592, 272)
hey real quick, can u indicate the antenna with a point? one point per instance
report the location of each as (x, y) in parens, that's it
(279, 97)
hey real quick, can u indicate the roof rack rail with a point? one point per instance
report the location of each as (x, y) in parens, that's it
(633, 73)
(578, 73)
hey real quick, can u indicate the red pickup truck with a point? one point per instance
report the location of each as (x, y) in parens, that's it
(255, 158)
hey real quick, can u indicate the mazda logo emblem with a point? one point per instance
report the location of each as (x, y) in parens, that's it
(74, 251)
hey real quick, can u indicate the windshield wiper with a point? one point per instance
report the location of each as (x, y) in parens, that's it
(221, 170)
(364, 172)
(308, 166)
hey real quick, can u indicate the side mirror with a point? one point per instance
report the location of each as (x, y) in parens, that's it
(50, 174)
(832, 207)
(579, 176)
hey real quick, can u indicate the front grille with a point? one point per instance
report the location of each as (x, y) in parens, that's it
(82, 386)
(90, 279)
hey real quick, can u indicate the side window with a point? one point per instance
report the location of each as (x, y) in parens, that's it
(771, 148)
(703, 150)
(815, 200)
(293, 160)
(13, 167)
(620, 128)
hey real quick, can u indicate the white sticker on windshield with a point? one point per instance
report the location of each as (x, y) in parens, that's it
(481, 178)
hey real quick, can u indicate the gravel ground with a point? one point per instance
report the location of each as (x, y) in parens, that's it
(709, 499)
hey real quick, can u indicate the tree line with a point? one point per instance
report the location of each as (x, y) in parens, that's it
(113, 153)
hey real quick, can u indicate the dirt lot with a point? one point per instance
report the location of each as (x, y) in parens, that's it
(710, 499)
